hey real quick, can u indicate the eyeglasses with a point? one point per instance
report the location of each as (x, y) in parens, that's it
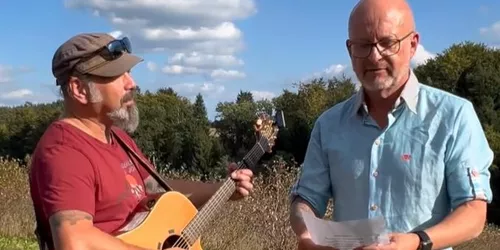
(385, 47)
(115, 49)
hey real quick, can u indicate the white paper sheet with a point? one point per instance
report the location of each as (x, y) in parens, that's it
(346, 235)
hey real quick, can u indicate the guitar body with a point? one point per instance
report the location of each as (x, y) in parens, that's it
(161, 226)
(170, 220)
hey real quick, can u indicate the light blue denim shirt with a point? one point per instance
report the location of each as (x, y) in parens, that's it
(432, 157)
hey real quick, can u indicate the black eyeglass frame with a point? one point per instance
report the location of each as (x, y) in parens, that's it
(393, 42)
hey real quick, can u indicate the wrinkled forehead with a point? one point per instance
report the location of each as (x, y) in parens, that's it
(374, 26)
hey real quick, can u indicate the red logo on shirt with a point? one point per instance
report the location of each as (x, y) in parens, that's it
(474, 174)
(406, 157)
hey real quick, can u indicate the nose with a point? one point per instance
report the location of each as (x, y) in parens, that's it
(129, 82)
(375, 55)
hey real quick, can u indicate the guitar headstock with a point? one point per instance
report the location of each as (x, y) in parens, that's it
(267, 128)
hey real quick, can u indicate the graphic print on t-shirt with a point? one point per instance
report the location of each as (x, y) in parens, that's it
(130, 175)
(135, 188)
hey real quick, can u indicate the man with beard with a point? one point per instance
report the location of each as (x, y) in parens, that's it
(398, 148)
(84, 184)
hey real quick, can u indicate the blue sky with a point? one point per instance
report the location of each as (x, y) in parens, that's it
(260, 46)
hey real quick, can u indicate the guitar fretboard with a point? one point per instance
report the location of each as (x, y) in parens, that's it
(203, 218)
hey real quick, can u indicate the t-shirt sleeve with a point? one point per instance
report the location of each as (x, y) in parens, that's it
(66, 181)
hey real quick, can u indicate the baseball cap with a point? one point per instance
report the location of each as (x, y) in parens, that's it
(98, 54)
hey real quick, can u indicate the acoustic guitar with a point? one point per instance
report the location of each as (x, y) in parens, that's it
(170, 220)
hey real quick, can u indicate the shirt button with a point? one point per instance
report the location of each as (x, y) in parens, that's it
(373, 207)
(375, 173)
(377, 142)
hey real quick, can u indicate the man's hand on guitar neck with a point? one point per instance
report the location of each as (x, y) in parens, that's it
(201, 192)
(243, 179)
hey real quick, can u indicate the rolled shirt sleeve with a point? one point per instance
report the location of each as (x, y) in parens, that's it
(313, 183)
(468, 160)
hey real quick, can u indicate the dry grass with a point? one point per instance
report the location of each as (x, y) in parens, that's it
(257, 223)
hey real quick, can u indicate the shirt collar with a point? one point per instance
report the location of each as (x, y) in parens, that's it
(409, 95)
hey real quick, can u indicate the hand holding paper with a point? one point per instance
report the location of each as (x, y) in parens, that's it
(346, 235)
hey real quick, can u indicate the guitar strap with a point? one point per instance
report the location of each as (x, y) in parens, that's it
(143, 162)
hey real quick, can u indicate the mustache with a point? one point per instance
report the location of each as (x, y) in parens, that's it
(128, 97)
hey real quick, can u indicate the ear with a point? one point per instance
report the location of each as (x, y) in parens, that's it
(348, 47)
(415, 41)
(78, 90)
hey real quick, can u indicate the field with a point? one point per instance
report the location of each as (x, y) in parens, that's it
(258, 223)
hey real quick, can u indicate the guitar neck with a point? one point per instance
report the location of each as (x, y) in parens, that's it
(202, 219)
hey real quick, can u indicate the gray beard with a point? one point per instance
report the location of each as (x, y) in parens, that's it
(125, 118)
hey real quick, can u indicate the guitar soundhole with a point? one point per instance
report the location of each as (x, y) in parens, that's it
(175, 241)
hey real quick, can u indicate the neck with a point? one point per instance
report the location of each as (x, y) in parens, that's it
(90, 125)
(383, 100)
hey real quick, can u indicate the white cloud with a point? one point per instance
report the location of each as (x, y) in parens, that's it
(421, 56)
(205, 61)
(200, 34)
(492, 32)
(151, 66)
(17, 94)
(334, 70)
(181, 70)
(8, 73)
(205, 88)
(262, 95)
(222, 74)
(5, 74)
(116, 33)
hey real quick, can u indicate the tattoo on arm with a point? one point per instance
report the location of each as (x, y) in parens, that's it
(72, 217)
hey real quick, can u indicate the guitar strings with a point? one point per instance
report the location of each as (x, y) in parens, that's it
(199, 224)
(225, 188)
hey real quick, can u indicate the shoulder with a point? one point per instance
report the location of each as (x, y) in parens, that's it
(59, 136)
(58, 149)
(339, 112)
(446, 103)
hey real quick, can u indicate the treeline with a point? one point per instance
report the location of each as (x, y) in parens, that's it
(177, 135)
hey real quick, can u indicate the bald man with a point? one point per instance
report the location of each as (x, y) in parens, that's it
(398, 148)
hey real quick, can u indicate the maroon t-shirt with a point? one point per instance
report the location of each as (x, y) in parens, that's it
(72, 170)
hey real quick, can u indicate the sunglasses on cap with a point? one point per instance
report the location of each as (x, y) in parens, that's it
(115, 48)
(112, 51)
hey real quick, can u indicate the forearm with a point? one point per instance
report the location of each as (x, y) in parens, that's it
(463, 224)
(298, 207)
(197, 192)
(73, 230)
(94, 239)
